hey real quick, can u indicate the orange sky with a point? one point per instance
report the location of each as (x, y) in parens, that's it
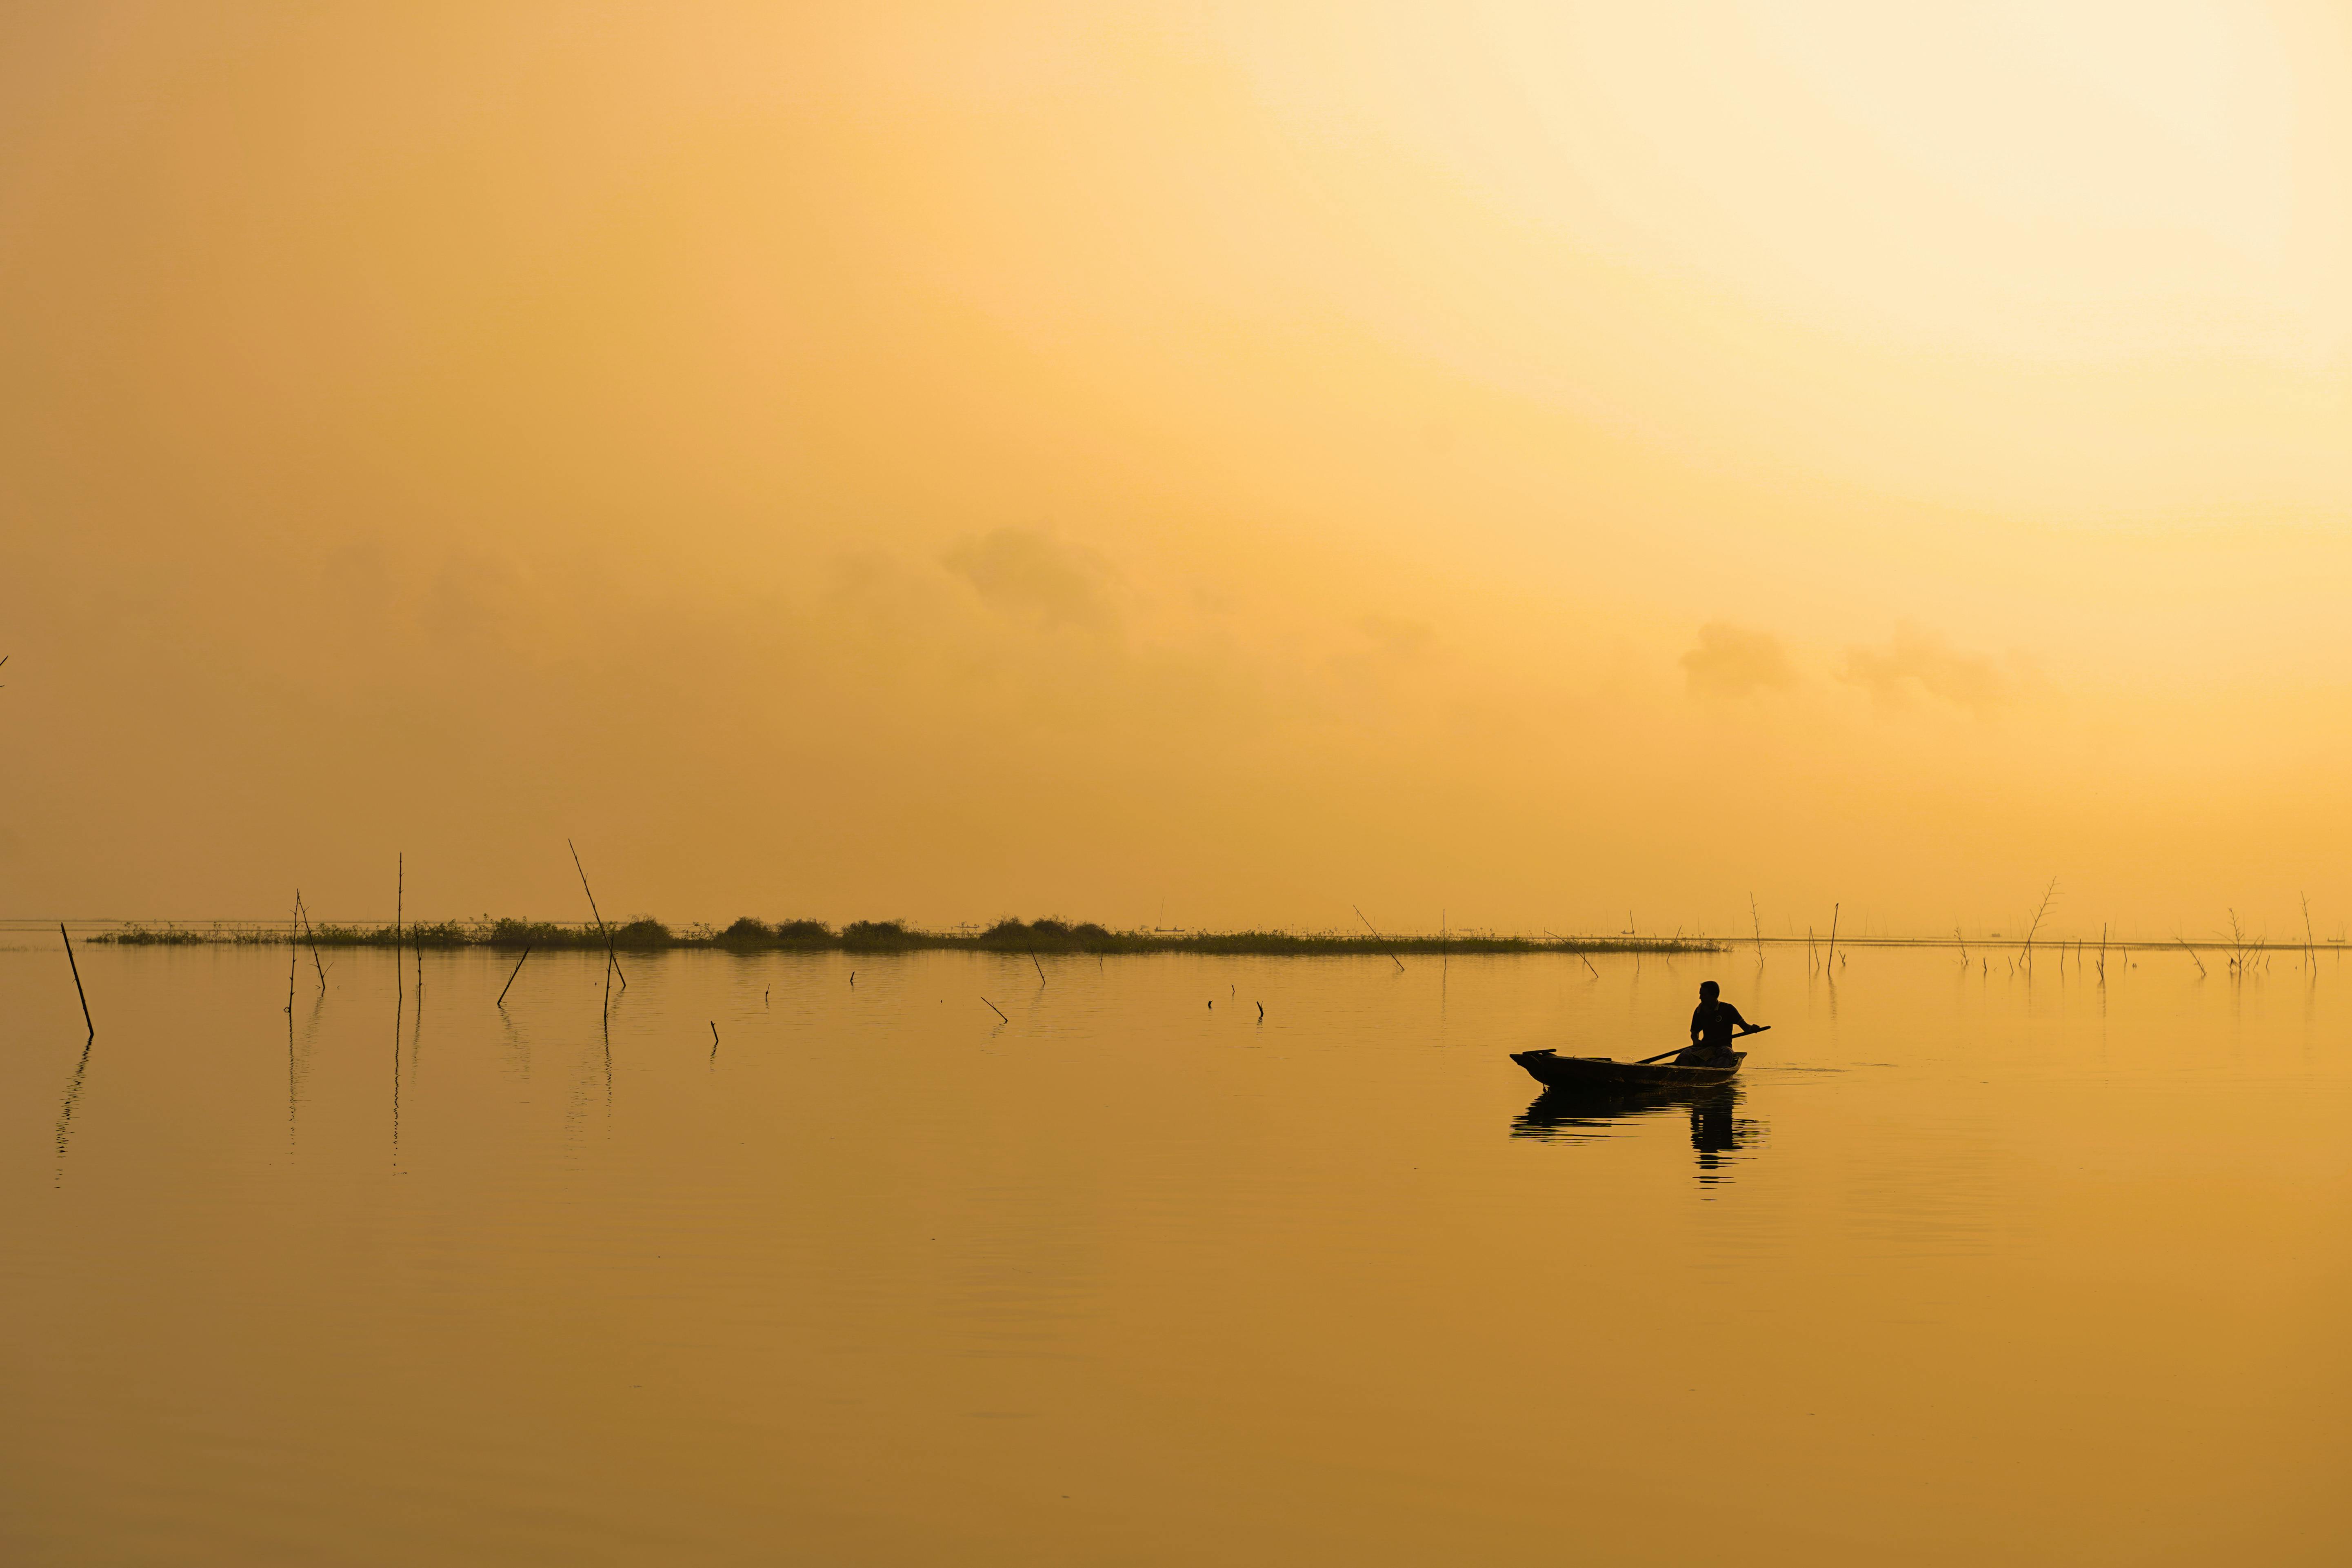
(1530, 460)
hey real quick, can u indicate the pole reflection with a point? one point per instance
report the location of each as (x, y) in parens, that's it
(65, 1111)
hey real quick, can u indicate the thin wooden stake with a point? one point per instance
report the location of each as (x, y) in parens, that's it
(1833, 948)
(1040, 969)
(76, 974)
(611, 960)
(1578, 952)
(313, 939)
(1376, 937)
(995, 1009)
(510, 978)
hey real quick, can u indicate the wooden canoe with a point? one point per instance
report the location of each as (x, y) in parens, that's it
(1555, 1071)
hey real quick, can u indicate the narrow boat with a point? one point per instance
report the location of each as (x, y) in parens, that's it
(1556, 1071)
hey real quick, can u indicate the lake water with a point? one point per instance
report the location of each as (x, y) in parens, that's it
(1974, 1269)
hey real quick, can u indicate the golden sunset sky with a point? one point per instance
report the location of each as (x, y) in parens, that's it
(1196, 464)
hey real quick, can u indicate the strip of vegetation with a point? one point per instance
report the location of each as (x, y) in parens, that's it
(751, 935)
(169, 936)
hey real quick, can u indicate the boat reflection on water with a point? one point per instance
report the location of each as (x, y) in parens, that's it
(1719, 1135)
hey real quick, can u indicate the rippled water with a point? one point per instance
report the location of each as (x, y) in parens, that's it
(1969, 1269)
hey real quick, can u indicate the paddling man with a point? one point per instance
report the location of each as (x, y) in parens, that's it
(1714, 1024)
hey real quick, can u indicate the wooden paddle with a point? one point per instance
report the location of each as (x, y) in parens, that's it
(1678, 1051)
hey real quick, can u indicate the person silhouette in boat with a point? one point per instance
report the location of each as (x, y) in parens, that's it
(1714, 1023)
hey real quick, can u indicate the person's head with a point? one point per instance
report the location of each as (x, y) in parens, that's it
(1708, 990)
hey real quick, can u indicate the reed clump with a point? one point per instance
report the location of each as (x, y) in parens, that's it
(440, 933)
(150, 936)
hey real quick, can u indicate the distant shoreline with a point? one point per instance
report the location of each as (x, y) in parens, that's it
(1049, 936)
(749, 935)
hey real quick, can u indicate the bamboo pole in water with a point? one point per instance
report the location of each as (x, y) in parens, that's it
(305, 916)
(510, 978)
(1376, 937)
(399, 896)
(611, 960)
(1580, 954)
(76, 974)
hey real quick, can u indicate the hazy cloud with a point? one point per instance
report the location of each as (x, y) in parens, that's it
(1923, 662)
(1735, 661)
(1025, 571)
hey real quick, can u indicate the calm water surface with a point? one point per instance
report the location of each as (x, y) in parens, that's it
(1970, 1270)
